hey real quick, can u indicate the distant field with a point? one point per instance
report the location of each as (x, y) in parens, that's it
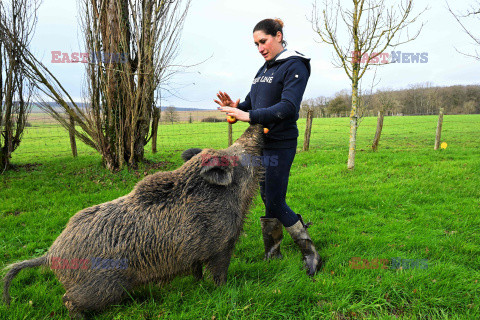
(46, 138)
(404, 201)
(39, 118)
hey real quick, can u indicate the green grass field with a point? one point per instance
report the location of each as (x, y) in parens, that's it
(406, 201)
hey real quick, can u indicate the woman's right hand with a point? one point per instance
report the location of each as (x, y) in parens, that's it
(225, 100)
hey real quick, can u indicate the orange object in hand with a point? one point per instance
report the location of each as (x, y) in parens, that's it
(265, 130)
(231, 119)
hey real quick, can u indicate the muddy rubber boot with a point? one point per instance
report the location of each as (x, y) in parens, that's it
(300, 236)
(272, 232)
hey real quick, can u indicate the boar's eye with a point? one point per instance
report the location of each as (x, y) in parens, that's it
(219, 175)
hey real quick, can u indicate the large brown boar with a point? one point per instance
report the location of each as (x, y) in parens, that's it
(172, 223)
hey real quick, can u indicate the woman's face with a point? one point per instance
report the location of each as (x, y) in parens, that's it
(267, 45)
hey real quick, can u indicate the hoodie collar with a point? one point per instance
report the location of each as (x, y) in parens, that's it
(284, 55)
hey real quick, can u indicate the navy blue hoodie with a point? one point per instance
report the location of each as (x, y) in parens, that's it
(275, 96)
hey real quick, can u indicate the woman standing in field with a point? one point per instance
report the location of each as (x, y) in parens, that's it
(274, 101)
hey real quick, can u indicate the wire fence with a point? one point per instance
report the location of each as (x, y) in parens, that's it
(44, 137)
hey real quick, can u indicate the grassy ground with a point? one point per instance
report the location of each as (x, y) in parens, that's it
(404, 201)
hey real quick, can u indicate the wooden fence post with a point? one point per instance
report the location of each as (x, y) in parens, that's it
(71, 133)
(230, 136)
(379, 131)
(308, 130)
(439, 130)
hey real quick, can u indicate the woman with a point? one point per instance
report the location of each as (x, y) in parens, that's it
(274, 101)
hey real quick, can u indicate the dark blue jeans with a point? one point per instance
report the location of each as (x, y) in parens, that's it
(273, 188)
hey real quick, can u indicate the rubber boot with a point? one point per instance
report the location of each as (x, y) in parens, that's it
(300, 236)
(272, 232)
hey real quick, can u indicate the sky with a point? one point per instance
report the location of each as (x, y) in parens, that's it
(219, 32)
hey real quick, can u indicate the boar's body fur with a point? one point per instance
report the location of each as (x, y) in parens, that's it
(171, 224)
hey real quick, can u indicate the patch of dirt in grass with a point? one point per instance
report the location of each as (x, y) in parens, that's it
(28, 167)
(13, 213)
(150, 167)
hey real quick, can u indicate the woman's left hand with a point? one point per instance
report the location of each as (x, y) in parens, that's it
(237, 113)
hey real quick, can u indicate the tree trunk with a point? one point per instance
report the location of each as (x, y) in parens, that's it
(4, 162)
(353, 126)
(439, 130)
(155, 119)
(71, 133)
(308, 130)
(8, 118)
(378, 133)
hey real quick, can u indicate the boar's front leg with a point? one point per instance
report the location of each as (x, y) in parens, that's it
(218, 264)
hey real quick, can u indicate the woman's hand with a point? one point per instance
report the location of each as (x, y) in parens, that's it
(237, 113)
(225, 100)
(230, 107)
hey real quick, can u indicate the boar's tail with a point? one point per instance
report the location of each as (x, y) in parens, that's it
(14, 269)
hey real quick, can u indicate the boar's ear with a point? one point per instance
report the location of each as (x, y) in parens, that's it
(190, 153)
(220, 175)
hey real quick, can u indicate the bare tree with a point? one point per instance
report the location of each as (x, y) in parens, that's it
(321, 106)
(306, 106)
(20, 17)
(386, 101)
(371, 26)
(318, 105)
(433, 101)
(473, 14)
(134, 43)
(422, 98)
(171, 114)
(338, 105)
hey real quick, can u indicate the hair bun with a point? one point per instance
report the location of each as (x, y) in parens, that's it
(279, 21)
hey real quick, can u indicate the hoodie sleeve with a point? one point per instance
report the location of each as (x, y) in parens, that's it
(294, 85)
(247, 104)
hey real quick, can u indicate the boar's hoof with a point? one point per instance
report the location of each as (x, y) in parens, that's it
(73, 311)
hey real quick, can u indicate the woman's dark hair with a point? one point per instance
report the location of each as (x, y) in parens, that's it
(271, 27)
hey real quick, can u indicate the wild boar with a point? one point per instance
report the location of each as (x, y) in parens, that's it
(172, 223)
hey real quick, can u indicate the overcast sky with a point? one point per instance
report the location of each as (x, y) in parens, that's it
(221, 30)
